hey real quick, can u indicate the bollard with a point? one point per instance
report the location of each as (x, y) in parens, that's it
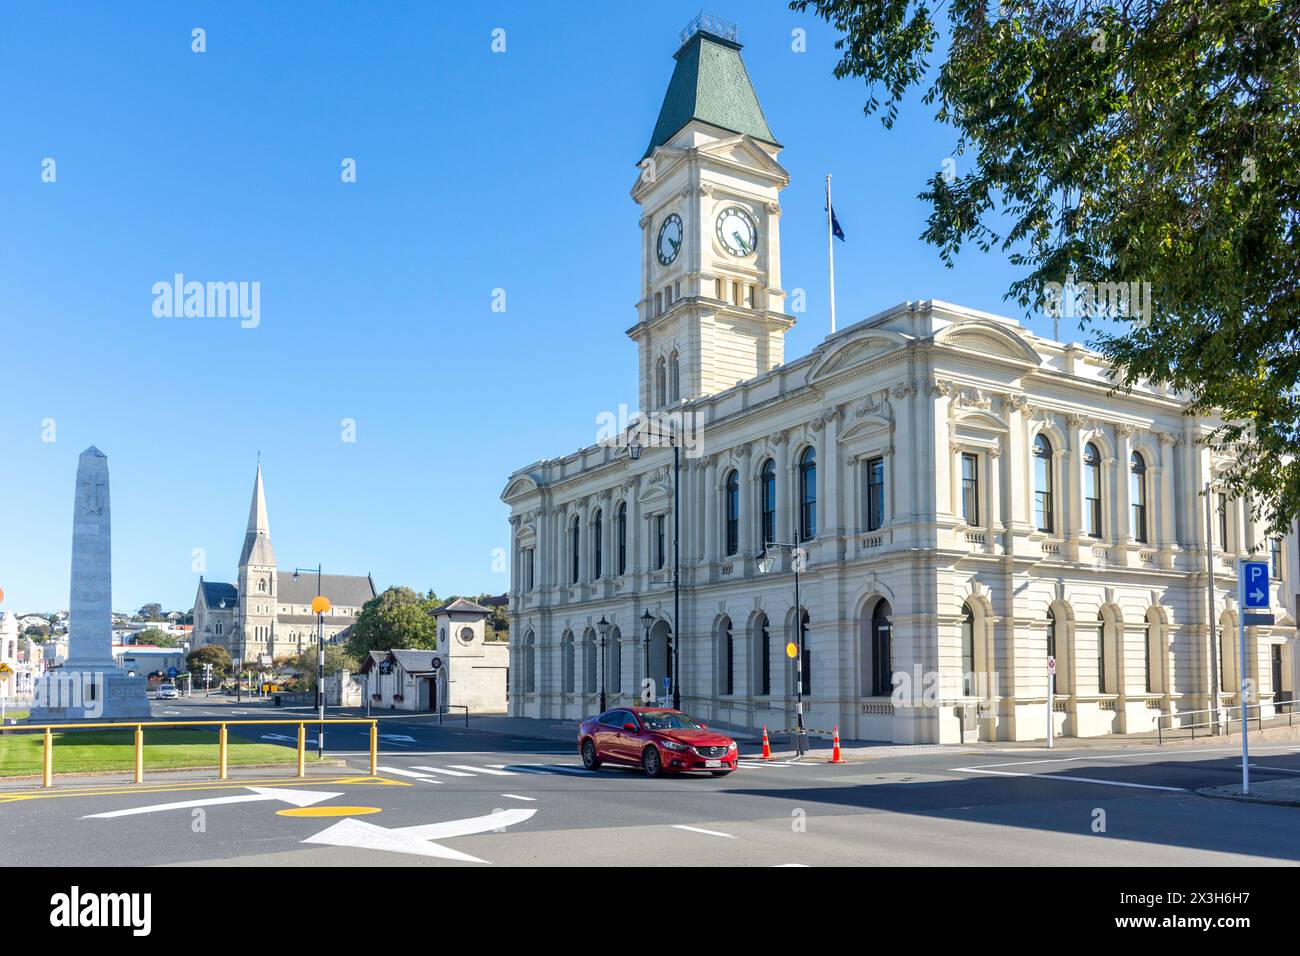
(374, 748)
(222, 753)
(139, 753)
(47, 763)
(302, 750)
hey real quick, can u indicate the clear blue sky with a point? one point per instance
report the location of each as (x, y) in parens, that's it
(475, 171)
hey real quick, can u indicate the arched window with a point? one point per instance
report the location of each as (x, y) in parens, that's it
(808, 494)
(615, 662)
(1051, 634)
(566, 663)
(726, 659)
(762, 657)
(967, 651)
(805, 659)
(591, 658)
(1092, 489)
(767, 501)
(621, 515)
(674, 379)
(732, 511)
(882, 684)
(530, 663)
(574, 541)
(598, 546)
(261, 584)
(1103, 663)
(661, 384)
(1043, 483)
(1138, 495)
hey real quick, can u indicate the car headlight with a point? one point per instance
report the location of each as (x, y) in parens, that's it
(674, 745)
(732, 746)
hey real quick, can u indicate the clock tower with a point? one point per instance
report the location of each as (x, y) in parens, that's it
(712, 310)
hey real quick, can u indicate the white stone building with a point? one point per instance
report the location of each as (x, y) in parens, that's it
(971, 496)
(267, 614)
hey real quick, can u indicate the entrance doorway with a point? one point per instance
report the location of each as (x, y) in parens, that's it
(429, 693)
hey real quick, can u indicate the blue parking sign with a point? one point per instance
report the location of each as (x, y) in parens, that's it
(1254, 578)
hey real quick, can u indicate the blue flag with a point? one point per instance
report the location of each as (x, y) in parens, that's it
(836, 231)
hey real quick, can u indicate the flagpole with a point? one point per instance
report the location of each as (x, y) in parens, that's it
(830, 248)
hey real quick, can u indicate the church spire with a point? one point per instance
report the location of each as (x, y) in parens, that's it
(257, 540)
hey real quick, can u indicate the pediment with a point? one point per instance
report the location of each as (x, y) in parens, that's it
(519, 486)
(866, 427)
(857, 350)
(743, 149)
(990, 339)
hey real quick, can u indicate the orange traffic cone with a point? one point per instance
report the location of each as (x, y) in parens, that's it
(835, 747)
(767, 747)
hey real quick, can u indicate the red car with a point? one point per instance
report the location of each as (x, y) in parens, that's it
(658, 739)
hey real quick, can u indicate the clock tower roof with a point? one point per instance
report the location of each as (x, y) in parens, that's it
(710, 84)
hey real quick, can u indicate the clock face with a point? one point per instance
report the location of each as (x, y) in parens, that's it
(737, 232)
(670, 239)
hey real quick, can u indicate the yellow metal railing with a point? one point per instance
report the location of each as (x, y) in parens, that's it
(223, 740)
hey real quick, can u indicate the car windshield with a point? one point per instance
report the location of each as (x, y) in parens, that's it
(666, 720)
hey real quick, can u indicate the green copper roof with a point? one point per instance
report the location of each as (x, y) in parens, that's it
(710, 84)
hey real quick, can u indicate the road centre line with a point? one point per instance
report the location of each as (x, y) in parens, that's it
(682, 826)
(1045, 776)
(515, 796)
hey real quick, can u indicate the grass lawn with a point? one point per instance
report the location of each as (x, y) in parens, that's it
(89, 751)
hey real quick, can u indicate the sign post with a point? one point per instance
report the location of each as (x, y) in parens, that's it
(1051, 692)
(1252, 597)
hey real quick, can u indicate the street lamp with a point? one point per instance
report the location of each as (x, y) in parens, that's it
(604, 633)
(634, 453)
(766, 561)
(319, 605)
(647, 621)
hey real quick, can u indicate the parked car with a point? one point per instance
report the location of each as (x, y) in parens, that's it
(658, 739)
(166, 692)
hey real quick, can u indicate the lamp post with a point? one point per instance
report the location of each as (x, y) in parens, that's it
(634, 452)
(604, 633)
(647, 620)
(319, 605)
(799, 562)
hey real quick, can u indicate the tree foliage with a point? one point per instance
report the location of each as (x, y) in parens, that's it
(397, 618)
(213, 654)
(152, 635)
(1148, 141)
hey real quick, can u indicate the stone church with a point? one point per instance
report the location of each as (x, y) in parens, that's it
(974, 508)
(267, 613)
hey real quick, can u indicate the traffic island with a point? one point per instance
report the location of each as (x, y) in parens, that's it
(1285, 793)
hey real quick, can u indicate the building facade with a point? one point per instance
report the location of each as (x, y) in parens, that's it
(267, 613)
(972, 500)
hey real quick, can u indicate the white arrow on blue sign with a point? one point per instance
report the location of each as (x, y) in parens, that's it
(1254, 575)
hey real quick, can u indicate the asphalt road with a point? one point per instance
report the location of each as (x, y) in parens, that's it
(450, 796)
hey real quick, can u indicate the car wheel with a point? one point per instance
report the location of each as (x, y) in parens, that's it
(651, 763)
(589, 758)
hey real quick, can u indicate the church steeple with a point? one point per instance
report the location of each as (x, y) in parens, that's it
(257, 540)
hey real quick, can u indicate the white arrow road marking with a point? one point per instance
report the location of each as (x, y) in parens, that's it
(398, 738)
(417, 840)
(299, 798)
(515, 796)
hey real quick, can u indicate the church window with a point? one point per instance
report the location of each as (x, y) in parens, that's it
(261, 584)
(661, 383)
(674, 378)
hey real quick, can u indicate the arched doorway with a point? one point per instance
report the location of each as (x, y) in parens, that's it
(661, 662)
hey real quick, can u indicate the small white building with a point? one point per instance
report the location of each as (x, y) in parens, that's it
(464, 671)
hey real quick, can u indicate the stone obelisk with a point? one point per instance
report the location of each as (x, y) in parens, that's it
(90, 685)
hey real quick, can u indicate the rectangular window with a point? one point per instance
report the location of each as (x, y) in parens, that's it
(661, 554)
(875, 494)
(1092, 500)
(1223, 522)
(528, 568)
(970, 489)
(1275, 557)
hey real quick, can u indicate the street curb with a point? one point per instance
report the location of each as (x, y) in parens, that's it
(1216, 793)
(335, 763)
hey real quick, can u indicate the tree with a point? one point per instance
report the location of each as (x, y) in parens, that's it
(305, 663)
(1126, 142)
(213, 654)
(151, 612)
(397, 618)
(151, 635)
